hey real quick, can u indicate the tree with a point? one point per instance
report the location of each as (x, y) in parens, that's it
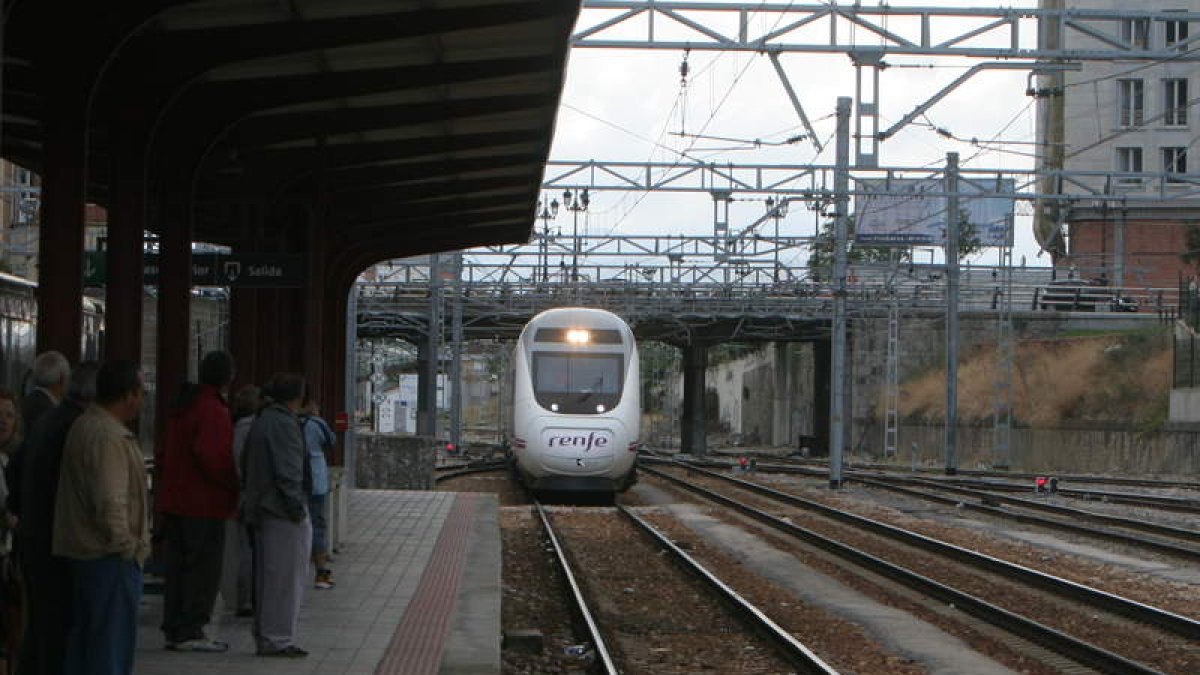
(820, 258)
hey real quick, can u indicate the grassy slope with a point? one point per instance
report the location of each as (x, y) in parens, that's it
(1109, 378)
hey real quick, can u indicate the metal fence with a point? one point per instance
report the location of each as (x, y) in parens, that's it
(1187, 351)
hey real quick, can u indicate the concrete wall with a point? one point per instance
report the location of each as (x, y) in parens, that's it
(1109, 450)
(385, 461)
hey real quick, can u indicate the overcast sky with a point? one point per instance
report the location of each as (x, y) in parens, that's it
(621, 105)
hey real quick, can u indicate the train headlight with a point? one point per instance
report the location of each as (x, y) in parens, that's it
(600, 408)
(579, 336)
(553, 407)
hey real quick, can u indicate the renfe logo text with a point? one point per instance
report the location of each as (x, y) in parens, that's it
(579, 441)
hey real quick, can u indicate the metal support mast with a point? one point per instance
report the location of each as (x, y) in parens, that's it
(456, 346)
(891, 393)
(952, 272)
(427, 399)
(1003, 386)
(837, 398)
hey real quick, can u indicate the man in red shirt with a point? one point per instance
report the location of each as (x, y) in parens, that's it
(197, 493)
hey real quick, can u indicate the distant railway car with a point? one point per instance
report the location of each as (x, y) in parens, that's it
(576, 401)
(18, 324)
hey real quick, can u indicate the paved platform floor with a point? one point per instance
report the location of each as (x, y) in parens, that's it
(418, 591)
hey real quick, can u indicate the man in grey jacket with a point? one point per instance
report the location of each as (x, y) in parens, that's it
(275, 498)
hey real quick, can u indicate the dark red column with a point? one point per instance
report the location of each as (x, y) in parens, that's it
(64, 203)
(126, 224)
(243, 336)
(174, 306)
(316, 319)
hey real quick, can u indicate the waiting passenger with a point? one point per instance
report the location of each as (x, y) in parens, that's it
(48, 577)
(318, 439)
(100, 523)
(278, 483)
(237, 585)
(197, 495)
(10, 590)
(51, 375)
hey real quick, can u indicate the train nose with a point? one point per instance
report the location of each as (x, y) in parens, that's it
(578, 450)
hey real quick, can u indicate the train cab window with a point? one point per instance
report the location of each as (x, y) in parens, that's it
(577, 384)
(597, 336)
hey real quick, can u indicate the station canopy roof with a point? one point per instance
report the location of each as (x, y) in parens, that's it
(406, 126)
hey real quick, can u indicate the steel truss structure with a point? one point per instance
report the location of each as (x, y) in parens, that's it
(1016, 38)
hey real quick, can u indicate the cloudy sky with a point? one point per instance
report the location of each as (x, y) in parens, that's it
(625, 104)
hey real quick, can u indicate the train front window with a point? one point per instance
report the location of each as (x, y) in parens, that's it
(577, 384)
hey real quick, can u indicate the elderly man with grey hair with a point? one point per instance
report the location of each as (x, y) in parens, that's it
(48, 578)
(50, 377)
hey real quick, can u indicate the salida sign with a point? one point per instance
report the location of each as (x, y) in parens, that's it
(243, 270)
(593, 440)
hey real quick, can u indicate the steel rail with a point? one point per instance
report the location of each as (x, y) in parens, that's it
(1153, 501)
(603, 658)
(1055, 640)
(887, 482)
(1079, 514)
(1075, 478)
(455, 472)
(1170, 548)
(1109, 602)
(789, 647)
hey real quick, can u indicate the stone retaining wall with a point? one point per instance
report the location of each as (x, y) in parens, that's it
(390, 462)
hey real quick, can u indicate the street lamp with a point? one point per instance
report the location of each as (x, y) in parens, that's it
(547, 211)
(576, 203)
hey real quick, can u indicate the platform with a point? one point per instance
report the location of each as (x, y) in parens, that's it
(418, 591)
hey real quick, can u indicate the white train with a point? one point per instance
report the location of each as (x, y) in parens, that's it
(576, 401)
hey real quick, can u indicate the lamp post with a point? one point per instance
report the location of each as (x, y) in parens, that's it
(547, 211)
(576, 203)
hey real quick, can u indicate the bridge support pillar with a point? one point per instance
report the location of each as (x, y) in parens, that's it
(822, 383)
(692, 434)
(782, 432)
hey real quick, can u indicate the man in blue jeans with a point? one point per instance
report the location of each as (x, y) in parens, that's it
(100, 524)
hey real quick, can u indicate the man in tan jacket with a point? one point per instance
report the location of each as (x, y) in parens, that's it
(100, 524)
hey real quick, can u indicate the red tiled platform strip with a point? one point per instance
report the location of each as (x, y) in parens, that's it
(416, 646)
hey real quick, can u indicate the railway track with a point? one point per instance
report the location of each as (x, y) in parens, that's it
(1071, 478)
(1078, 649)
(607, 653)
(459, 470)
(1178, 541)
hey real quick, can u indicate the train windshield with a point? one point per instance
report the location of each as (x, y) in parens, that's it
(577, 384)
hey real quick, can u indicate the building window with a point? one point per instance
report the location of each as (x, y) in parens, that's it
(1174, 161)
(1129, 160)
(1175, 102)
(1136, 33)
(1130, 101)
(1176, 32)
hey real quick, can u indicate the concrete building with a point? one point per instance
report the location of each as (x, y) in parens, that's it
(1135, 122)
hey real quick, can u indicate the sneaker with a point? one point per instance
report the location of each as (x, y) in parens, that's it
(324, 580)
(199, 645)
(288, 652)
